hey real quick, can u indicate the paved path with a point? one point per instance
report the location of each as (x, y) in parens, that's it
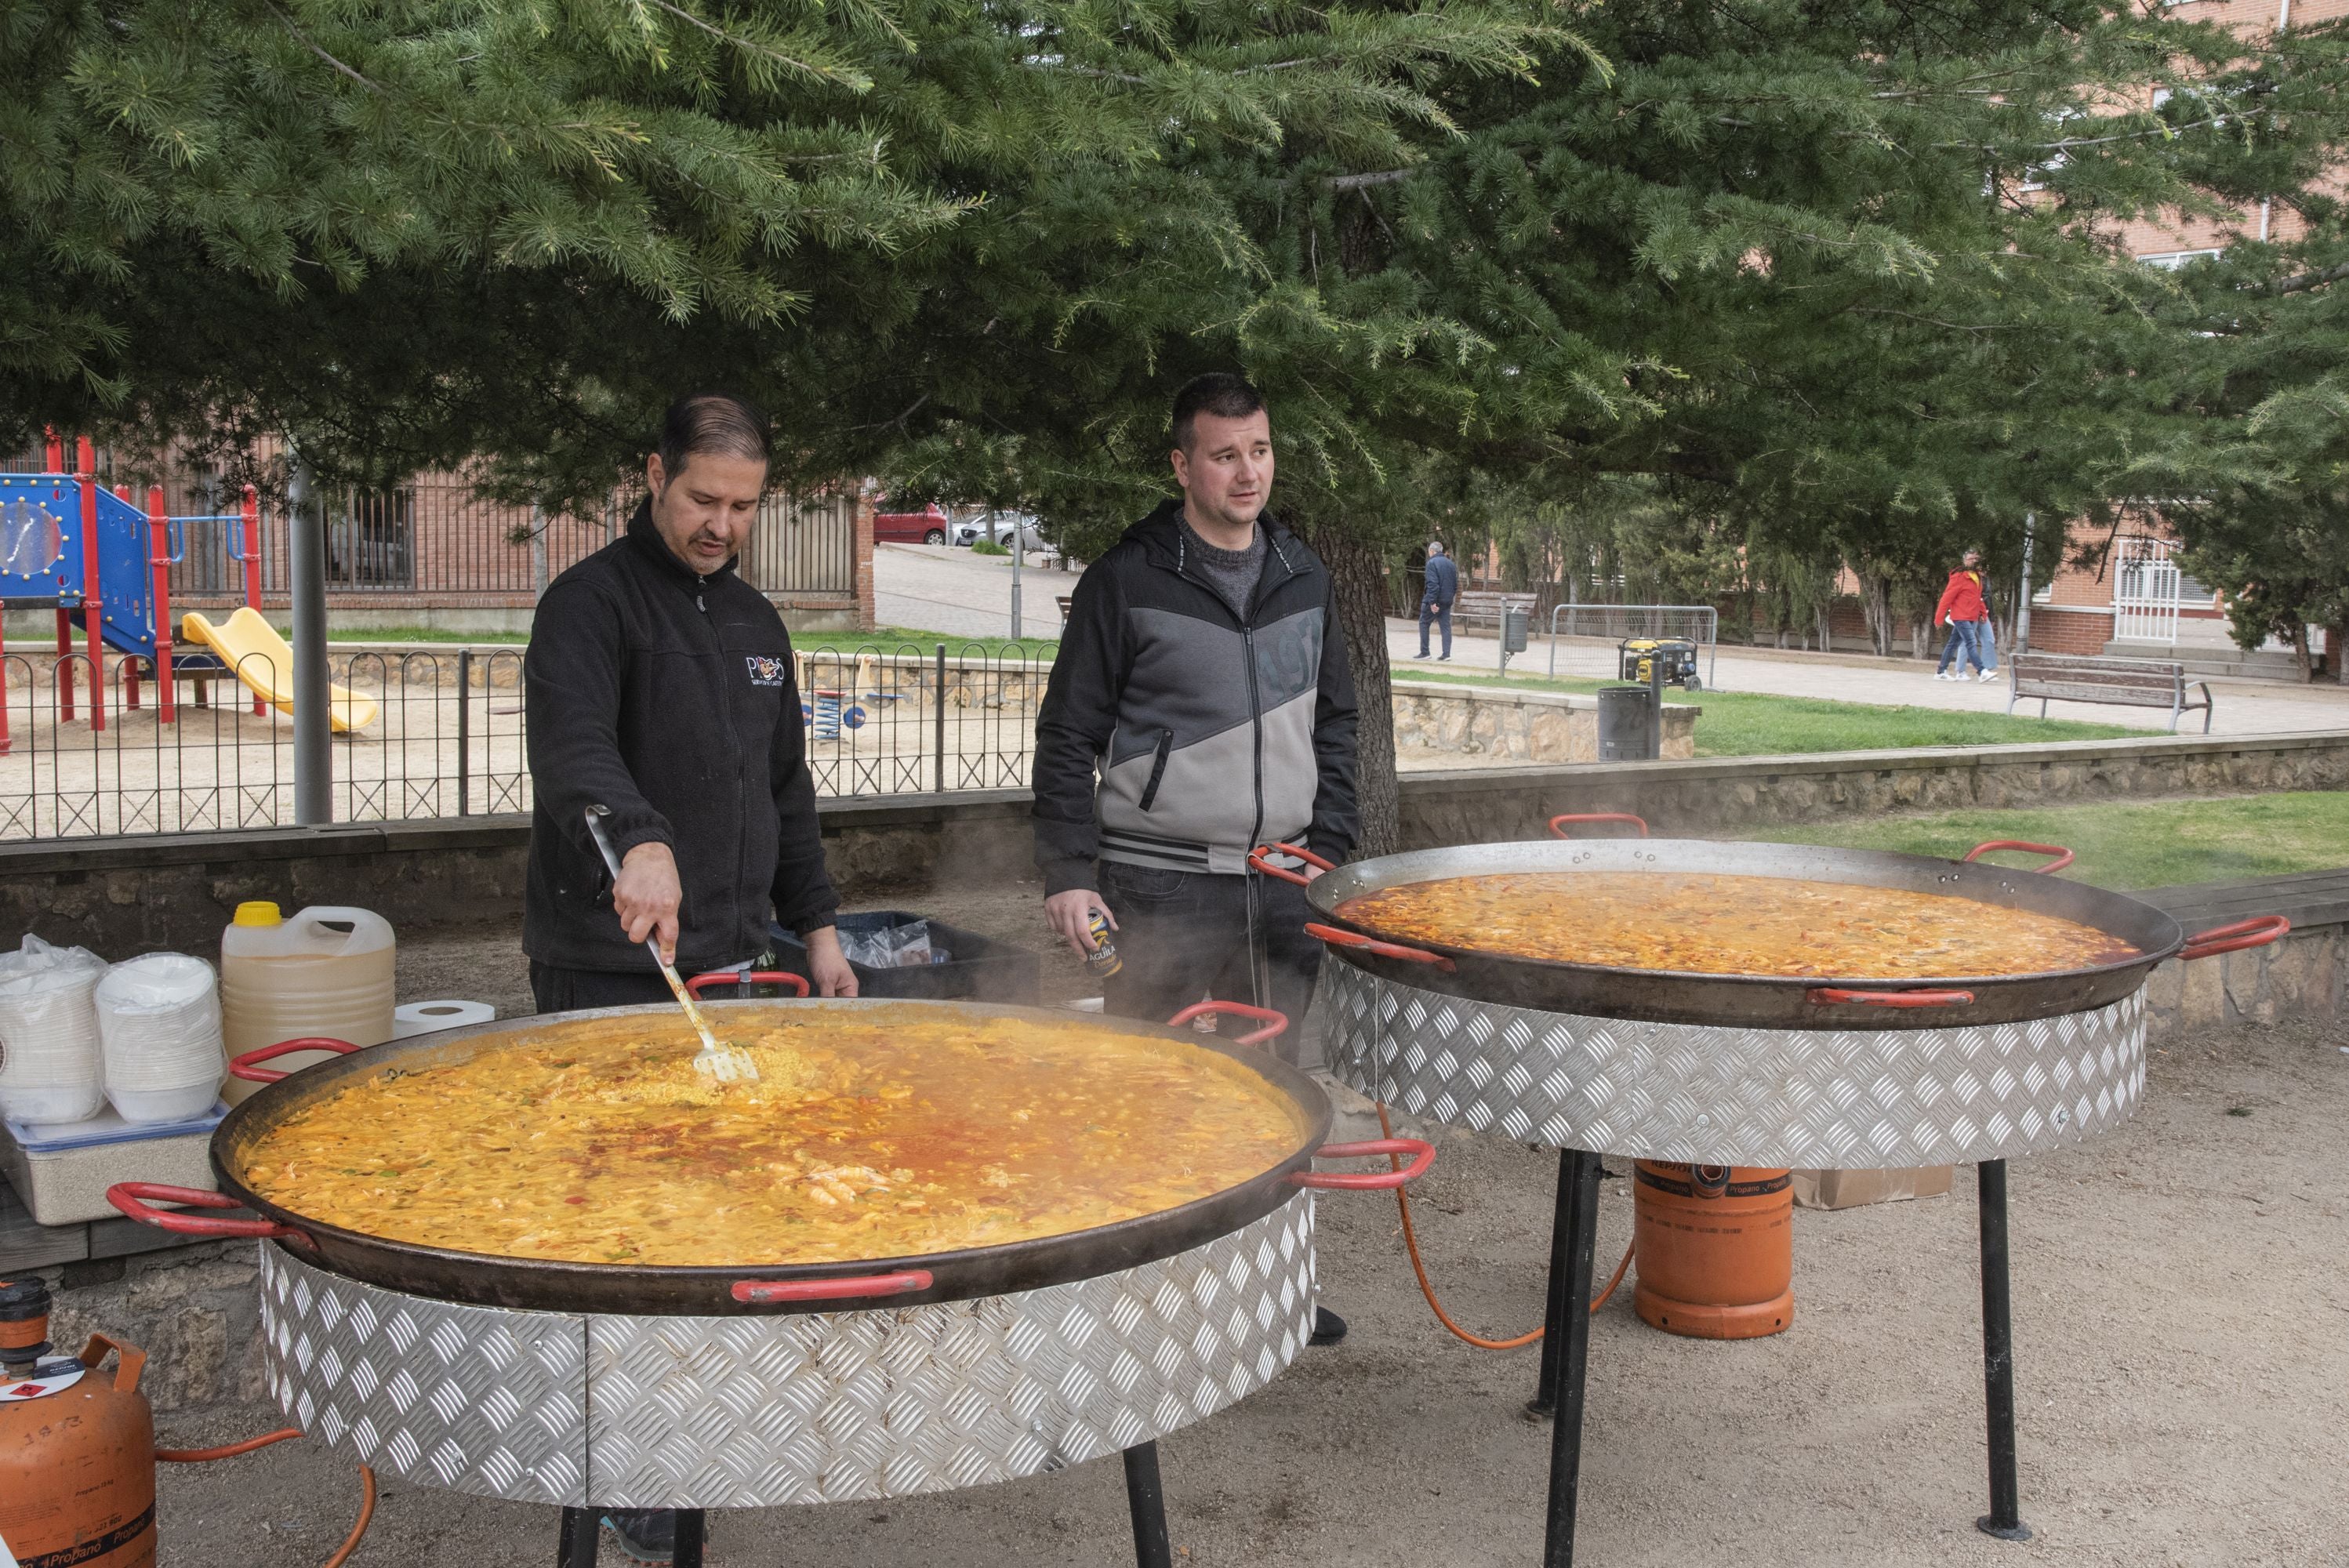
(945, 588)
(2244, 707)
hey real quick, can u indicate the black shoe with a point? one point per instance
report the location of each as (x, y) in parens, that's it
(646, 1534)
(1328, 1327)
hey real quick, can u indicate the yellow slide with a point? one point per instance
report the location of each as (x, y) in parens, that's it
(252, 649)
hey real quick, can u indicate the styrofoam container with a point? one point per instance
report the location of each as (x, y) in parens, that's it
(158, 1023)
(62, 1171)
(50, 1066)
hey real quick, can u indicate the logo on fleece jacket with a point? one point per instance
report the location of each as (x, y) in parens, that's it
(766, 670)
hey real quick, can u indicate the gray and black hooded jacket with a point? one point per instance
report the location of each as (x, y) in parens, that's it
(1177, 733)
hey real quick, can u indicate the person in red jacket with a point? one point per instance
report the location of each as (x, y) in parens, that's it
(1964, 612)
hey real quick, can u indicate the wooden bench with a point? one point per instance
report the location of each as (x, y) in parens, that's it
(2118, 683)
(1484, 606)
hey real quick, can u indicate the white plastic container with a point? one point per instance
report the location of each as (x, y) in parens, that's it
(327, 971)
(50, 1066)
(158, 1023)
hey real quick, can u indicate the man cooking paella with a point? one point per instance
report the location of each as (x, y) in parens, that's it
(660, 686)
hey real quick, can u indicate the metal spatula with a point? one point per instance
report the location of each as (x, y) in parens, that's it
(714, 1060)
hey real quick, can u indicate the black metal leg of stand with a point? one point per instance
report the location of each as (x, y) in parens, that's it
(1145, 1498)
(1544, 1400)
(2005, 1519)
(1569, 1326)
(691, 1525)
(580, 1527)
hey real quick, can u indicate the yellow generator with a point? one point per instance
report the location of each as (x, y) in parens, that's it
(1676, 656)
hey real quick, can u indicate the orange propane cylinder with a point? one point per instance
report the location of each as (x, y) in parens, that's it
(1715, 1248)
(77, 1447)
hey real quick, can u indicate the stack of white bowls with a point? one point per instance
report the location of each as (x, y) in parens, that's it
(158, 1018)
(50, 1068)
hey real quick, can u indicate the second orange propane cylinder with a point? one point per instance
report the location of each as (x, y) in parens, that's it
(1716, 1249)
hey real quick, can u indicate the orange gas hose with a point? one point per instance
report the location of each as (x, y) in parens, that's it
(1418, 1267)
(226, 1450)
(230, 1451)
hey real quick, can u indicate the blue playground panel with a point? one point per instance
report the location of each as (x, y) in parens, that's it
(41, 559)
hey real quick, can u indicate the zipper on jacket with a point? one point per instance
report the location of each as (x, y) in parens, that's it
(733, 747)
(1157, 769)
(1247, 651)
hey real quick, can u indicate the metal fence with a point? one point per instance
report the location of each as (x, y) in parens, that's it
(1592, 633)
(440, 733)
(437, 540)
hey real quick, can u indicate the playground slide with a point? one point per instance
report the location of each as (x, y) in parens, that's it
(251, 647)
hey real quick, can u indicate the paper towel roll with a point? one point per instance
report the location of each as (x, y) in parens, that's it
(423, 1018)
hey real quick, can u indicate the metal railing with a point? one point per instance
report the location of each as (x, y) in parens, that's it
(430, 734)
(1612, 624)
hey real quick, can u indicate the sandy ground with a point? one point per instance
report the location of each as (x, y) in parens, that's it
(2182, 1337)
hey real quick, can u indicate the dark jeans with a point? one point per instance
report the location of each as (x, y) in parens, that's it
(1969, 640)
(1182, 936)
(1429, 610)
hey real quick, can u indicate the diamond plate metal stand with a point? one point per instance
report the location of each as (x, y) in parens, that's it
(2005, 1519)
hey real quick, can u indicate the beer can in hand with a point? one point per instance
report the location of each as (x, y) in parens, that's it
(1102, 962)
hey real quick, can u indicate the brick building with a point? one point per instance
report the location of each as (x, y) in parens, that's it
(2124, 595)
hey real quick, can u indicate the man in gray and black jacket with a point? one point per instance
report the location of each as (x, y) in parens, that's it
(1200, 706)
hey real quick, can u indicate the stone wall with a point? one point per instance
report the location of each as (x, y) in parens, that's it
(1516, 726)
(129, 896)
(195, 1310)
(2305, 975)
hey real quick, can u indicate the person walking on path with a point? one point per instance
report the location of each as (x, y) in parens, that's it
(1200, 706)
(1964, 610)
(1435, 598)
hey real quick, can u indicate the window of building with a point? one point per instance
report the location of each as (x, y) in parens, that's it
(372, 544)
(2170, 260)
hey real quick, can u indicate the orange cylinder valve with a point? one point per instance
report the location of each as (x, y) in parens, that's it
(77, 1445)
(1716, 1249)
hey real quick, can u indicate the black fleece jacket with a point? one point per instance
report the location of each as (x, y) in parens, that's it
(671, 698)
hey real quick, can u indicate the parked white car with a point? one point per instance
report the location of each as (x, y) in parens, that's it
(973, 530)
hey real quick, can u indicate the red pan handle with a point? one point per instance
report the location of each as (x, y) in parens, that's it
(2256, 932)
(1278, 1021)
(755, 977)
(854, 1287)
(247, 1068)
(1422, 1152)
(2063, 857)
(1337, 938)
(1557, 831)
(1257, 860)
(1830, 995)
(131, 1198)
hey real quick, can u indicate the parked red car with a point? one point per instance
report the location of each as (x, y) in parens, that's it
(927, 526)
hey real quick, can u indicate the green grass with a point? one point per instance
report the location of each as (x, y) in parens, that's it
(2157, 843)
(897, 639)
(1757, 723)
(414, 634)
(890, 639)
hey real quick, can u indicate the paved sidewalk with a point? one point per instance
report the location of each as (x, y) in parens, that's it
(2244, 707)
(944, 588)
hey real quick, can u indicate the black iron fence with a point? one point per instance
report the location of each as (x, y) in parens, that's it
(430, 734)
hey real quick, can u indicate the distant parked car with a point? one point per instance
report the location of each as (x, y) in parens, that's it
(927, 526)
(974, 530)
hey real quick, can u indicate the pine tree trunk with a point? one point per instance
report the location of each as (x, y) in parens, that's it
(2337, 651)
(2300, 658)
(1358, 575)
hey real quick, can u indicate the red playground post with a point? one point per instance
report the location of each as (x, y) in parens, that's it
(86, 461)
(160, 533)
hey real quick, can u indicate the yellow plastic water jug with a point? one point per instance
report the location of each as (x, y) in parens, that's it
(325, 971)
